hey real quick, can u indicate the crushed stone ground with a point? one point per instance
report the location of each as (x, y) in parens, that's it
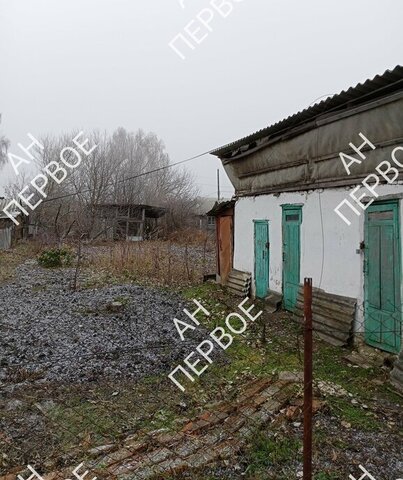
(62, 335)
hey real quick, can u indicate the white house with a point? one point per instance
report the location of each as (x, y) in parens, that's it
(290, 177)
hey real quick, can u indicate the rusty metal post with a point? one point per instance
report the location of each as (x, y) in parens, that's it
(307, 379)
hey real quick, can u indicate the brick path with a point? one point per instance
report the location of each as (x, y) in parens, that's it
(216, 435)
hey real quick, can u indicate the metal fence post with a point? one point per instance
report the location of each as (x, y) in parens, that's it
(307, 379)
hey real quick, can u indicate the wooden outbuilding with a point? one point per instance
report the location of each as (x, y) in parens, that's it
(224, 215)
(127, 221)
(10, 233)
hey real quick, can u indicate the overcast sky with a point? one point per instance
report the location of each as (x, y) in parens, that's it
(102, 64)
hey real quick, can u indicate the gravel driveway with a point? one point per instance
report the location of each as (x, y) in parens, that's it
(60, 335)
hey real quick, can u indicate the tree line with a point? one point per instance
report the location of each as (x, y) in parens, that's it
(116, 172)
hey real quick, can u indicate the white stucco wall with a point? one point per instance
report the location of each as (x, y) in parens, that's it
(328, 246)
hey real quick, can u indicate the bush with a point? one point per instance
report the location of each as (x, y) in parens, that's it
(55, 257)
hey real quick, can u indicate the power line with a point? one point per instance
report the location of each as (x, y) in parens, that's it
(88, 190)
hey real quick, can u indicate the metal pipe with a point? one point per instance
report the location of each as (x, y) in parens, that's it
(307, 379)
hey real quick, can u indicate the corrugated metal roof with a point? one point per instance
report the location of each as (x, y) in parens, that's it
(151, 211)
(220, 207)
(203, 205)
(3, 204)
(381, 85)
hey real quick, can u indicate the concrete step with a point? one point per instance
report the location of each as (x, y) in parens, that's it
(273, 301)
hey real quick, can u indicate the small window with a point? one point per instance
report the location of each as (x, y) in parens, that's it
(292, 218)
(387, 215)
(211, 221)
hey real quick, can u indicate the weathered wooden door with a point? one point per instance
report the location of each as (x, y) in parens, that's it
(292, 218)
(261, 257)
(225, 246)
(382, 277)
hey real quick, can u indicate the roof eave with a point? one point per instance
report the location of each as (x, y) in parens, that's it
(380, 85)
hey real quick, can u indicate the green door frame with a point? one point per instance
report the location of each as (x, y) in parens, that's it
(290, 295)
(262, 290)
(369, 316)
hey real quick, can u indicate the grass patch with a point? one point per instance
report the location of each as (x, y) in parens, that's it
(267, 452)
(89, 418)
(326, 476)
(329, 365)
(75, 422)
(11, 259)
(354, 415)
(247, 358)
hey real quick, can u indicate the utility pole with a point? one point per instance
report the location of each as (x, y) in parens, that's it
(218, 184)
(308, 379)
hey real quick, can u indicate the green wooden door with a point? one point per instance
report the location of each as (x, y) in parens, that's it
(292, 218)
(382, 277)
(261, 258)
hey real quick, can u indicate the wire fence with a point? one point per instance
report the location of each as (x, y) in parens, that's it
(145, 427)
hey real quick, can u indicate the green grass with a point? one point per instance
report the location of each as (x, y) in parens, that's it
(326, 476)
(247, 360)
(267, 452)
(354, 415)
(329, 365)
(74, 422)
(107, 418)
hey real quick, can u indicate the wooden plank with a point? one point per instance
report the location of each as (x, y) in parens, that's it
(328, 339)
(318, 292)
(236, 281)
(239, 293)
(343, 324)
(344, 301)
(240, 275)
(330, 303)
(322, 327)
(239, 283)
(333, 316)
(238, 288)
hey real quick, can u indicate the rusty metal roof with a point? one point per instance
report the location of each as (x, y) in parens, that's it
(381, 85)
(221, 207)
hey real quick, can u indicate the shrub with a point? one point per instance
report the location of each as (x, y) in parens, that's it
(55, 257)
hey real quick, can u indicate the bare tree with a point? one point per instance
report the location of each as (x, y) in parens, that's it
(125, 167)
(4, 144)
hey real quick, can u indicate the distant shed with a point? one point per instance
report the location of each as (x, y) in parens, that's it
(128, 221)
(203, 220)
(9, 232)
